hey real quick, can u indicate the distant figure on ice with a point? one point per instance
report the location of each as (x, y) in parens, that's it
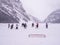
(32, 24)
(24, 25)
(37, 25)
(12, 26)
(46, 25)
(16, 26)
(8, 25)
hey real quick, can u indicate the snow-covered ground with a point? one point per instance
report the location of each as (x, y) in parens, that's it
(21, 36)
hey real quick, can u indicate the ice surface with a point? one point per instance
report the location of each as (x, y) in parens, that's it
(20, 36)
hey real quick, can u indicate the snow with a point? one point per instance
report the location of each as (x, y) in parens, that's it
(20, 36)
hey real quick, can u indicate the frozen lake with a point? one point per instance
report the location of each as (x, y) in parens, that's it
(20, 36)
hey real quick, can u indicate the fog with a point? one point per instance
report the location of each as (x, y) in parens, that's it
(40, 8)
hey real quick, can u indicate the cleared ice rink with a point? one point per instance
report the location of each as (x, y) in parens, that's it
(20, 36)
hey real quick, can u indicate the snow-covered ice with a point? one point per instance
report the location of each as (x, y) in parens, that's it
(20, 36)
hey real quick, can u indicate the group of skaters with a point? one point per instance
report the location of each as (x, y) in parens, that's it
(11, 26)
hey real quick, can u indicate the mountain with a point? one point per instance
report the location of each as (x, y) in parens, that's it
(34, 19)
(54, 17)
(12, 11)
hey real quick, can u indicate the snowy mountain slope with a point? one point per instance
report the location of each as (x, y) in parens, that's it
(14, 9)
(10, 7)
(34, 19)
(4, 18)
(54, 17)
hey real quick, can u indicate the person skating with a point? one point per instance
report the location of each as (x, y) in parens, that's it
(24, 25)
(16, 26)
(8, 25)
(37, 25)
(46, 25)
(32, 24)
(12, 26)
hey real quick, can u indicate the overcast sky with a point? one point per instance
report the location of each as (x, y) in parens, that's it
(40, 8)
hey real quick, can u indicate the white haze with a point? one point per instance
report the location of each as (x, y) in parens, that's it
(40, 8)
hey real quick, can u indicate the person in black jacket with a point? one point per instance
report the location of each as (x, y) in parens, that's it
(46, 25)
(24, 25)
(32, 24)
(12, 26)
(37, 25)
